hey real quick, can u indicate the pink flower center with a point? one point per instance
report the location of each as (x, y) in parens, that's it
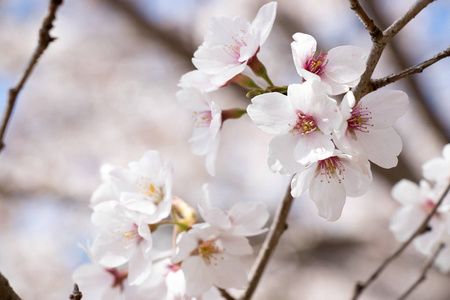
(119, 277)
(202, 118)
(359, 119)
(234, 49)
(317, 62)
(305, 124)
(332, 169)
(428, 206)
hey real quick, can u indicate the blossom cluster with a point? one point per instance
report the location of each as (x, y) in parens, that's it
(417, 202)
(130, 205)
(326, 146)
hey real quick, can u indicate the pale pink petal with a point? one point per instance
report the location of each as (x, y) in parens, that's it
(263, 22)
(272, 113)
(198, 80)
(382, 146)
(248, 217)
(407, 192)
(329, 197)
(386, 106)
(314, 146)
(405, 221)
(228, 273)
(436, 169)
(302, 180)
(227, 73)
(198, 275)
(139, 267)
(281, 155)
(235, 245)
(345, 64)
(303, 47)
(186, 243)
(357, 175)
(193, 99)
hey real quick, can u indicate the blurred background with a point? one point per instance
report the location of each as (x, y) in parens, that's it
(104, 92)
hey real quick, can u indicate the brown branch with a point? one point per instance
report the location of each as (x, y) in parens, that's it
(44, 40)
(423, 274)
(277, 228)
(415, 89)
(379, 43)
(361, 286)
(6, 291)
(401, 22)
(378, 83)
(225, 294)
(76, 294)
(369, 24)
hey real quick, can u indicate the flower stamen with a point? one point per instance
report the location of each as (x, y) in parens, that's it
(360, 118)
(305, 124)
(331, 167)
(317, 62)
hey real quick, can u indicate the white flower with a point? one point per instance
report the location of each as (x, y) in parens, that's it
(438, 169)
(367, 126)
(146, 187)
(208, 121)
(339, 69)
(176, 287)
(226, 51)
(303, 121)
(199, 80)
(243, 218)
(331, 180)
(417, 203)
(210, 257)
(123, 239)
(99, 283)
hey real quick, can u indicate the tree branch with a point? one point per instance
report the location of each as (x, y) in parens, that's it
(225, 294)
(361, 286)
(378, 83)
(401, 22)
(423, 274)
(379, 43)
(44, 40)
(277, 228)
(76, 294)
(6, 291)
(369, 24)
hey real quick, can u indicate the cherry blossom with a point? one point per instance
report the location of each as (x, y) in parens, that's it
(367, 126)
(145, 187)
(124, 238)
(339, 69)
(303, 121)
(417, 202)
(198, 80)
(232, 44)
(331, 180)
(438, 169)
(208, 121)
(243, 218)
(210, 257)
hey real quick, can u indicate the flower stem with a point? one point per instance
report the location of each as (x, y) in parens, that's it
(259, 69)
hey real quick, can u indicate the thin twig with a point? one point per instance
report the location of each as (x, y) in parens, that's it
(6, 291)
(76, 294)
(361, 286)
(379, 43)
(225, 294)
(369, 24)
(277, 228)
(401, 22)
(378, 83)
(423, 274)
(44, 40)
